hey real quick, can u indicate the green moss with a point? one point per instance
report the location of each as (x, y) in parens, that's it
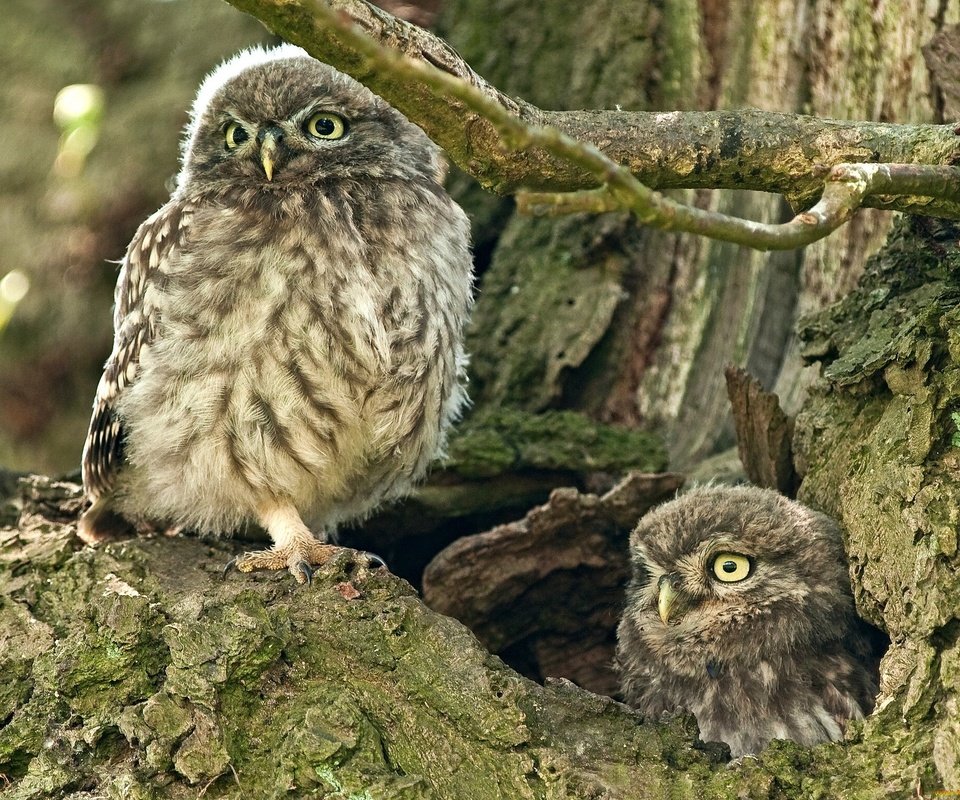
(509, 440)
(878, 441)
(267, 690)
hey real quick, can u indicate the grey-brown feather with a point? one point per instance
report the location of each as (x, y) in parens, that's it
(134, 326)
(294, 341)
(779, 655)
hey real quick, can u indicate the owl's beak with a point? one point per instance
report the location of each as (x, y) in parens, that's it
(267, 160)
(667, 597)
(268, 156)
(269, 139)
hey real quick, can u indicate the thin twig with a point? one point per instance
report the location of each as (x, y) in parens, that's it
(845, 189)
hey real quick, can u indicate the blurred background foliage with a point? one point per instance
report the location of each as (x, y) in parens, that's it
(94, 94)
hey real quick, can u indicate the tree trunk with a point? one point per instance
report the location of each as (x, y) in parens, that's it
(633, 325)
(878, 443)
(136, 671)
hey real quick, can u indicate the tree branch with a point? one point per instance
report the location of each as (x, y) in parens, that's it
(507, 144)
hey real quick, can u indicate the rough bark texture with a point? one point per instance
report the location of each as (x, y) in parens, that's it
(879, 446)
(138, 671)
(647, 343)
(942, 54)
(131, 676)
(546, 592)
(764, 433)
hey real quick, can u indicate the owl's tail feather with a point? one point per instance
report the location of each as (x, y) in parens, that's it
(100, 523)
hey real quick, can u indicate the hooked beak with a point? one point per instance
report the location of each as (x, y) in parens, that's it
(268, 156)
(269, 139)
(667, 596)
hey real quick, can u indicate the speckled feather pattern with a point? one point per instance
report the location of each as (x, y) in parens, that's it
(286, 343)
(779, 655)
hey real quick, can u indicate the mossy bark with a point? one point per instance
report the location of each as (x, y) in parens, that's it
(138, 671)
(878, 443)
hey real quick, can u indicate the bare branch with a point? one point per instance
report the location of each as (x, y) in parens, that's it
(505, 144)
(847, 187)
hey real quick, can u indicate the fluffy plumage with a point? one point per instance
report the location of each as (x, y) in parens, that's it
(288, 327)
(740, 612)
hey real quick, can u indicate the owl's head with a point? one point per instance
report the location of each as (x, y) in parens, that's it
(737, 572)
(270, 120)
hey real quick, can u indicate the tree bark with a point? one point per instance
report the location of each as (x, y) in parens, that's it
(646, 343)
(878, 445)
(138, 670)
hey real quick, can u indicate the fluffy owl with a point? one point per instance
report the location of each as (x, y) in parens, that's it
(288, 327)
(739, 611)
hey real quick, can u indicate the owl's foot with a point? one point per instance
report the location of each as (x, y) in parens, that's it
(299, 558)
(299, 563)
(295, 548)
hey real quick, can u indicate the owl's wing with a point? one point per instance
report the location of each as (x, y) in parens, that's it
(135, 322)
(851, 673)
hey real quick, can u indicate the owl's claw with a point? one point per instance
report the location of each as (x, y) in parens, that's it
(373, 560)
(303, 572)
(299, 558)
(229, 567)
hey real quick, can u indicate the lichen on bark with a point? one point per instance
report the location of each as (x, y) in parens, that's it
(503, 441)
(876, 444)
(141, 672)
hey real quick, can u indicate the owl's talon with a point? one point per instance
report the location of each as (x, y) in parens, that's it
(299, 558)
(373, 560)
(303, 572)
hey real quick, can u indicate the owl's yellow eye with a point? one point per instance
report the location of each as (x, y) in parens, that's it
(731, 567)
(235, 135)
(326, 126)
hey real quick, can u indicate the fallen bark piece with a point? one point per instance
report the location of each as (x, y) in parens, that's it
(764, 433)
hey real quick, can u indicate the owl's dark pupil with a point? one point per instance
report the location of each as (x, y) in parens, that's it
(323, 126)
(239, 135)
(729, 566)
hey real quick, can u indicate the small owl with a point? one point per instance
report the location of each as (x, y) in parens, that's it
(288, 327)
(739, 611)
